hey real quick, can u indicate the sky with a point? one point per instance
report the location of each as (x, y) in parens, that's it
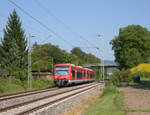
(77, 23)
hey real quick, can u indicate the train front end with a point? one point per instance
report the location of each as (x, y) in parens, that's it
(61, 74)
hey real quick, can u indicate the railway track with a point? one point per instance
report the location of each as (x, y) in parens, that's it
(35, 104)
(26, 93)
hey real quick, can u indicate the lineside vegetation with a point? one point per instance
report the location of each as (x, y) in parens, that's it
(14, 58)
(110, 103)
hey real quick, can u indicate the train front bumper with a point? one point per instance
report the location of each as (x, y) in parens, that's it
(61, 82)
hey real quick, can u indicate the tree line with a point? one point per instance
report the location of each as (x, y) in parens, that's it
(131, 47)
(14, 51)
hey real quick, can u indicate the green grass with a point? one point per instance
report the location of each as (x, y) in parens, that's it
(6, 87)
(42, 83)
(17, 85)
(110, 103)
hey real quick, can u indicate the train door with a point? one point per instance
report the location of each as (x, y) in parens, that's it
(72, 74)
(75, 74)
(83, 75)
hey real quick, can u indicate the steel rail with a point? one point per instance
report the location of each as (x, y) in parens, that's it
(52, 102)
(38, 99)
(27, 94)
(21, 92)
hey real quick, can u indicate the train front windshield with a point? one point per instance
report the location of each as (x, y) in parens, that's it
(62, 70)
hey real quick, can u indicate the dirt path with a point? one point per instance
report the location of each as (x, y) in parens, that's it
(136, 100)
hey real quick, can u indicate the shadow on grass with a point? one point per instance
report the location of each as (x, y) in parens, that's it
(144, 84)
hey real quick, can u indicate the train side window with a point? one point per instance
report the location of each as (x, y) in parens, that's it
(90, 75)
(78, 75)
(83, 75)
(73, 73)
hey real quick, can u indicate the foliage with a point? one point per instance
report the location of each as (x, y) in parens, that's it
(13, 44)
(19, 85)
(145, 83)
(131, 46)
(97, 74)
(142, 74)
(84, 57)
(1, 54)
(143, 70)
(6, 87)
(121, 76)
(21, 75)
(145, 67)
(44, 56)
(42, 83)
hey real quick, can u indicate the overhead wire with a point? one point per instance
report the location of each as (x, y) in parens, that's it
(65, 25)
(47, 11)
(38, 21)
(49, 29)
(50, 13)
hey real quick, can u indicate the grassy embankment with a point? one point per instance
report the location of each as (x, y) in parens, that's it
(16, 85)
(110, 103)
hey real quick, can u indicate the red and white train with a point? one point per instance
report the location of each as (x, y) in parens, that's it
(67, 74)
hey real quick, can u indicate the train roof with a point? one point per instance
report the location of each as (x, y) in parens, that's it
(64, 64)
(68, 64)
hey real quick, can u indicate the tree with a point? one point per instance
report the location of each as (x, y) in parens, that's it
(1, 54)
(77, 51)
(84, 58)
(43, 56)
(14, 44)
(131, 46)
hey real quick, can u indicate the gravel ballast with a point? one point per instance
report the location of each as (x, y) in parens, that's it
(63, 106)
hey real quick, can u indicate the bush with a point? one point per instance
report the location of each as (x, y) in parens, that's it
(42, 83)
(22, 75)
(121, 76)
(17, 82)
(144, 74)
(113, 80)
(3, 81)
(20, 83)
(6, 87)
(4, 76)
(97, 75)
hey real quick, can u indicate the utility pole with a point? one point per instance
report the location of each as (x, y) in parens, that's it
(29, 63)
(103, 69)
(102, 56)
(52, 69)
